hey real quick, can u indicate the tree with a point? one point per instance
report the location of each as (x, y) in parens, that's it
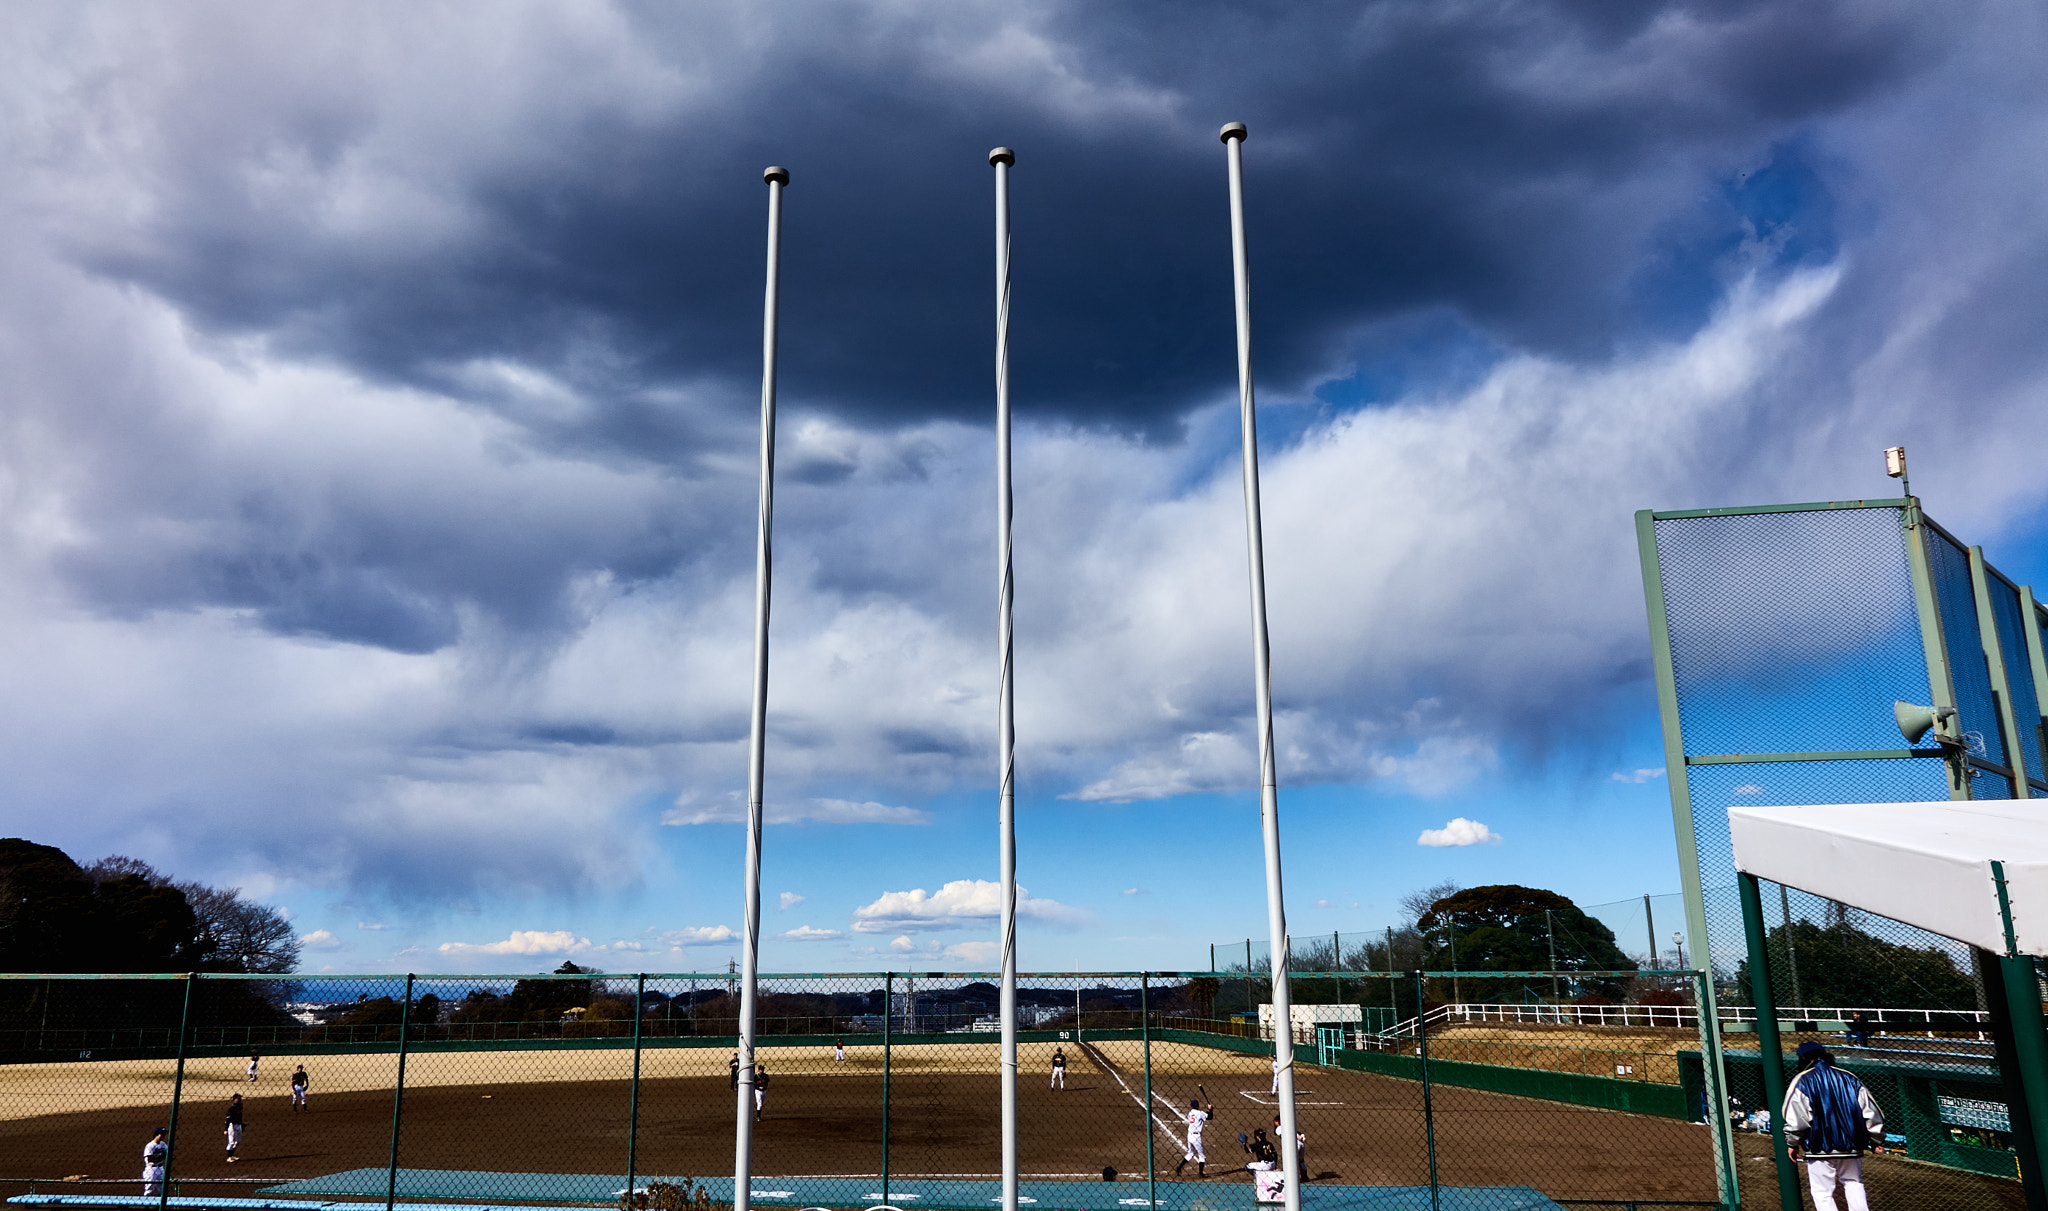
(242, 935)
(1840, 965)
(1512, 928)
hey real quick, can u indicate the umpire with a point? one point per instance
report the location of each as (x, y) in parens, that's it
(1829, 1119)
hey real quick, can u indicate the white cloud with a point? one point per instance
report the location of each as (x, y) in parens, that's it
(975, 953)
(523, 942)
(961, 904)
(902, 945)
(1636, 777)
(804, 933)
(372, 926)
(732, 809)
(1459, 831)
(697, 935)
(790, 899)
(1324, 904)
(319, 939)
(1137, 891)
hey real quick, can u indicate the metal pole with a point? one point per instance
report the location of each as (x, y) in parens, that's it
(888, 1016)
(398, 1094)
(1393, 985)
(1145, 1035)
(1006, 709)
(743, 1138)
(1791, 949)
(1233, 137)
(163, 1195)
(633, 1112)
(1650, 923)
(1550, 927)
(2016, 1034)
(1428, 1104)
(1770, 1053)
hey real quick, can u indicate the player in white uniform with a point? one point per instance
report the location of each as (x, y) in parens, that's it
(155, 1154)
(760, 1089)
(299, 1087)
(1197, 1119)
(1276, 1076)
(253, 1060)
(839, 1051)
(1059, 1069)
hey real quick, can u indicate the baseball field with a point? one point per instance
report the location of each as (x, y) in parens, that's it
(568, 1112)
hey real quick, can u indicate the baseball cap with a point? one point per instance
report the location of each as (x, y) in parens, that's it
(1810, 1048)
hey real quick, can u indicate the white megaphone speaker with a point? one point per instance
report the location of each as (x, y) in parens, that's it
(1917, 721)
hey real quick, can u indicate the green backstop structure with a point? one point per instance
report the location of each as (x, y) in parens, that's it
(1782, 636)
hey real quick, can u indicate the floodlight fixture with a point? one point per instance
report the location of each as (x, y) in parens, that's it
(1895, 466)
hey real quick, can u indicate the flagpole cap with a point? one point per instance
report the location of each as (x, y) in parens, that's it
(1235, 130)
(776, 174)
(1001, 155)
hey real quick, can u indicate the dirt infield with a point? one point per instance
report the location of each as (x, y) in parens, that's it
(567, 1112)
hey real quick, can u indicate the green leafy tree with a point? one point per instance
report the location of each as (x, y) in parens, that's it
(1840, 965)
(1507, 927)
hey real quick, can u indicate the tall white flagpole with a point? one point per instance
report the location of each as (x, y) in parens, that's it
(1262, 665)
(750, 954)
(1006, 711)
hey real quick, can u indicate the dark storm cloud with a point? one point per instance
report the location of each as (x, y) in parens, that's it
(1513, 163)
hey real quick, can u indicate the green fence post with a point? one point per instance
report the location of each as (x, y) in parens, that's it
(633, 1111)
(163, 1196)
(1145, 1034)
(1715, 1071)
(398, 1093)
(888, 1016)
(1770, 1053)
(1428, 1108)
(2012, 993)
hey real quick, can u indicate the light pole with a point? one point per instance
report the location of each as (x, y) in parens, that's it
(1678, 940)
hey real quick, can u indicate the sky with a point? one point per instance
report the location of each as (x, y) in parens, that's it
(380, 407)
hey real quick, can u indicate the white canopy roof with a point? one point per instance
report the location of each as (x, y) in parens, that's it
(1927, 864)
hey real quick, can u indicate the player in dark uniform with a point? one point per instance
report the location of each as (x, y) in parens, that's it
(1059, 1069)
(734, 1064)
(233, 1129)
(299, 1087)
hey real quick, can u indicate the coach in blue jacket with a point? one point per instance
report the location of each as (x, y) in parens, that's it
(1829, 1119)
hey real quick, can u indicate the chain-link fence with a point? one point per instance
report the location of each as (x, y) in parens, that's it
(872, 1088)
(1785, 635)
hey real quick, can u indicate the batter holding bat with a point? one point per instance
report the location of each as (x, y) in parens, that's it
(1197, 1119)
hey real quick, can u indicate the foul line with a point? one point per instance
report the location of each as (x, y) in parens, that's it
(1262, 1098)
(1116, 1076)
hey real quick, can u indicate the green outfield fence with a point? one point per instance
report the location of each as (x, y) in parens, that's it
(578, 1088)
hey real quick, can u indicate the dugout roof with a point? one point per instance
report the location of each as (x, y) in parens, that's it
(1927, 864)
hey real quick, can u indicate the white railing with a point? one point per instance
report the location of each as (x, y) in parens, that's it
(1684, 1017)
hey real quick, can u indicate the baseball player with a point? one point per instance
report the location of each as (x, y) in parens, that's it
(1829, 1118)
(760, 1089)
(839, 1051)
(1300, 1146)
(734, 1064)
(155, 1155)
(1197, 1119)
(1059, 1069)
(233, 1129)
(254, 1059)
(299, 1087)
(1276, 1076)
(1264, 1156)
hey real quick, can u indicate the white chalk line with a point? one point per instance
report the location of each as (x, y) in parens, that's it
(1118, 1078)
